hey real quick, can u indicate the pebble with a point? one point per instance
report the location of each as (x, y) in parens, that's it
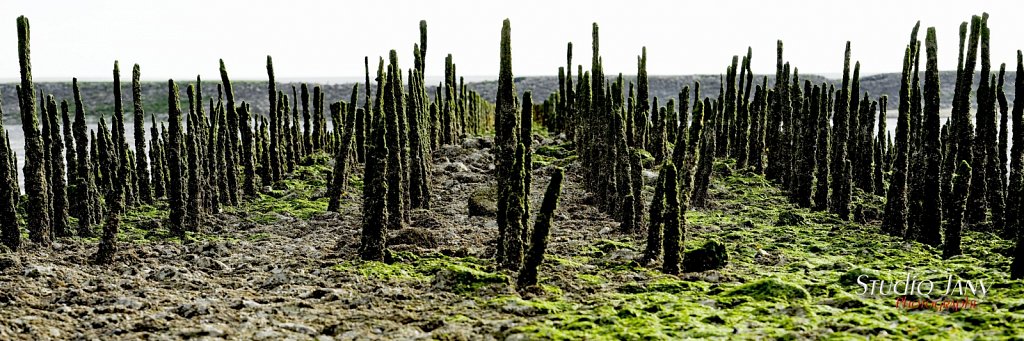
(7, 262)
(298, 328)
(267, 334)
(196, 308)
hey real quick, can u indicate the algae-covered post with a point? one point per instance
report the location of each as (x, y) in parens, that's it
(176, 176)
(35, 177)
(541, 229)
(931, 206)
(141, 164)
(505, 141)
(10, 227)
(895, 221)
(1015, 189)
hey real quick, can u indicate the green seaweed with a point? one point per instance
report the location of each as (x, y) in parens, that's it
(794, 281)
(770, 289)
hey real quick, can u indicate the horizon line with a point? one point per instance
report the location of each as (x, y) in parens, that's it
(360, 78)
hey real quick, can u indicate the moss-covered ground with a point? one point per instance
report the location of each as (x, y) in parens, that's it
(789, 278)
(783, 281)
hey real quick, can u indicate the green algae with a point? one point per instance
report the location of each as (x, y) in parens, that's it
(539, 161)
(455, 274)
(591, 279)
(459, 278)
(574, 262)
(665, 284)
(268, 209)
(300, 197)
(792, 281)
(802, 286)
(607, 245)
(387, 272)
(261, 236)
(554, 151)
(850, 277)
(770, 289)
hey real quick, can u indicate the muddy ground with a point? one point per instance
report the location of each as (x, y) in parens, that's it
(241, 278)
(282, 268)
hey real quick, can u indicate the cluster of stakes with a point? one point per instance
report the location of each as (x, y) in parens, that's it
(818, 142)
(229, 155)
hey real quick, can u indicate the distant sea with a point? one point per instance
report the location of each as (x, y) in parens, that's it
(314, 80)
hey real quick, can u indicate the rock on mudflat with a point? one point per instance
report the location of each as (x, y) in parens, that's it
(298, 328)
(38, 271)
(476, 143)
(711, 256)
(483, 202)
(455, 167)
(196, 308)
(460, 279)
(206, 330)
(167, 272)
(414, 236)
(7, 262)
(267, 334)
(789, 218)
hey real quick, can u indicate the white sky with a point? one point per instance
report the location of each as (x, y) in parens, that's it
(178, 39)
